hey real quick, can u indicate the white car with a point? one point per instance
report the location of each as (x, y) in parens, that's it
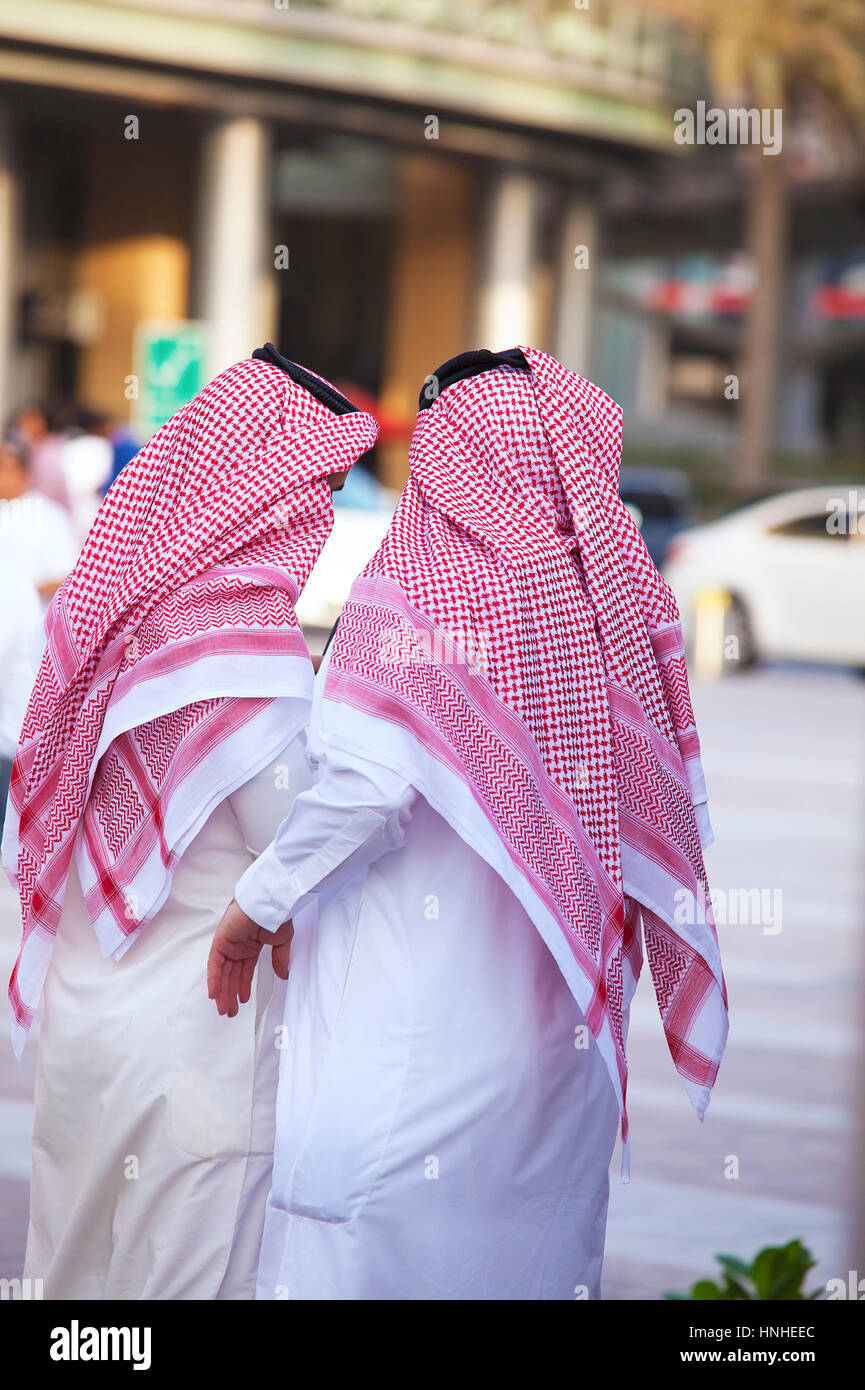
(793, 570)
(356, 536)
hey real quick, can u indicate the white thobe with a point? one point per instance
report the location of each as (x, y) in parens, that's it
(19, 620)
(38, 535)
(153, 1128)
(445, 1121)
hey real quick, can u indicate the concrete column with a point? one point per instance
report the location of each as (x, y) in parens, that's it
(431, 289)
(234, 286)
(576, 284)
(131, 263)
(508, 308)
(9, 210)
(653, 367)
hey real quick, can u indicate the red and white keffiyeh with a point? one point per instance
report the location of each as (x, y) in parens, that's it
(513, 652)
(175, 668)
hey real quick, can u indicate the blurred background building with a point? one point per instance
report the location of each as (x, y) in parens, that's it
(376, 184)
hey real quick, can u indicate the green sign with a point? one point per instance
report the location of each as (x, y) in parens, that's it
(170, 366)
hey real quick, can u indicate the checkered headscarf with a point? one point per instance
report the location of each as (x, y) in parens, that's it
(513, 623)
(169, 648)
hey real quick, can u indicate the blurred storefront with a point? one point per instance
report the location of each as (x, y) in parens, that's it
(376, 186)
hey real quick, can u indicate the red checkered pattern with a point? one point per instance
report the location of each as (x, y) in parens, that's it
(198, 551)
(576, 734)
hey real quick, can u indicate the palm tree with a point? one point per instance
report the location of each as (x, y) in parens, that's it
(769, 54)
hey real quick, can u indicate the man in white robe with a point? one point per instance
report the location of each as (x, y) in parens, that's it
(163, 743)
(431, 1050)
(465, 909)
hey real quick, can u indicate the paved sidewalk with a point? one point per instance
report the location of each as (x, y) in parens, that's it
(784, 754)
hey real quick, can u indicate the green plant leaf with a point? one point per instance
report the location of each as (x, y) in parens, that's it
(765, 1270)
(736, 1289)
(706, 1289)
(776, 1273)
(788, 1269)
(733, 1266)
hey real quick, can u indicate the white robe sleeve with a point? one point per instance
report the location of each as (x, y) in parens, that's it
(265, 799)
(356, 812)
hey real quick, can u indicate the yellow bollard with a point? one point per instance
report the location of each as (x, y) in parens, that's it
(711, 608)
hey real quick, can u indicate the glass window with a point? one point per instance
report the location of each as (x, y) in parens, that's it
(826, 525)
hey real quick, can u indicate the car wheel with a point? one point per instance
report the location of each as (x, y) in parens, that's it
(740, 649)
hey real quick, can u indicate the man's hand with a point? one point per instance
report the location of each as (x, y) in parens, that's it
(234, 953)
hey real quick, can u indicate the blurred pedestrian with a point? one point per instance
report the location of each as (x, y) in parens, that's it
(87, 460)
(35, 532)
(43, 433)
(20, 616)
(123, 448)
